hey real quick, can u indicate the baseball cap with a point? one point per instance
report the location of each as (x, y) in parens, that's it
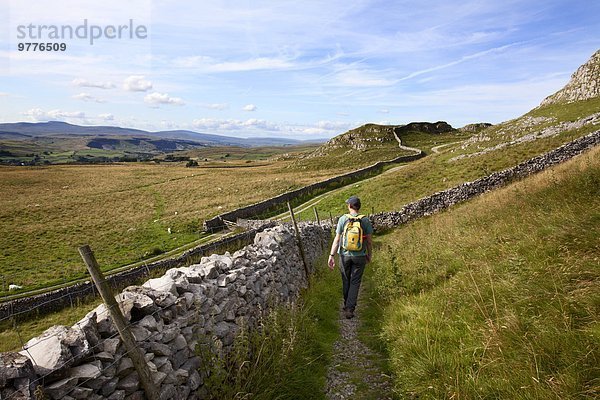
(353, 202)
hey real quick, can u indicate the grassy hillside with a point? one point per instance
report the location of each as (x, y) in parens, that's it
(492, 149)
(354, 149)
(499, 297)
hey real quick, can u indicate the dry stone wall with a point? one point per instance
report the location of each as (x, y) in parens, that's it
(169, 317)
(253, 210)
(58, 299)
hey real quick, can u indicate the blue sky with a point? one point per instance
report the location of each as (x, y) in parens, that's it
(310, 69)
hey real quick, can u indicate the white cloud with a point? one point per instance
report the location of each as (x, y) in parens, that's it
(37, 114)
(106, 117)
(137, 83)
(249, 107)
(211, 65)
(100, 85)
(156, 98)
(234, 124)
(3, 94)
(88, 97)
(384, 111)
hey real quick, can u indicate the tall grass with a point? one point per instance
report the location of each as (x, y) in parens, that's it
(499, 298)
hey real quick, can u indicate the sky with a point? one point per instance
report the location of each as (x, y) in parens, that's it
(296, 69)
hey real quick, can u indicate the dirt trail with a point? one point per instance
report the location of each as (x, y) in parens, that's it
(354, 372)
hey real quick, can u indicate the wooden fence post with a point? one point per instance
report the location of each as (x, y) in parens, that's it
(134, 352)
(331, 219)
(317, 216)
(299, 240)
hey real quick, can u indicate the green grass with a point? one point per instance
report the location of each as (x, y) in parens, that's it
(499, 298)
(287, 356)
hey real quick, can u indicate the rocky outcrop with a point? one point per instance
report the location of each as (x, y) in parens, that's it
(475, 128)
(584, 84)
(171, 317)
(434, 128)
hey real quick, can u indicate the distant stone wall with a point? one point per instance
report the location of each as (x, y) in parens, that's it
(169, 316)
(67, 296)
(442, 200)
(259, 208)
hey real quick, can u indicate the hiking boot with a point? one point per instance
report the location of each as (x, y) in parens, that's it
(348, 313)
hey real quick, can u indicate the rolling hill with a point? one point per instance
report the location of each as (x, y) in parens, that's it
(57, 142)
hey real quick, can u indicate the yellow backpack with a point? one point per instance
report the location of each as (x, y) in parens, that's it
(352, 239)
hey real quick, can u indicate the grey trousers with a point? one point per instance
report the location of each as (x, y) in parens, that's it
(352, 268)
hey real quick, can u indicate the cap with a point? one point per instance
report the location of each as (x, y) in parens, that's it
(354, 202)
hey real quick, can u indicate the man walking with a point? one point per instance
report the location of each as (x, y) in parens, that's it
(353, 243)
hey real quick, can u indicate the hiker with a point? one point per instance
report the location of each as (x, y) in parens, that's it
(353, 243)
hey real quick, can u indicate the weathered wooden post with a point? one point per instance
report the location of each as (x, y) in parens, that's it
(299, 240)
(136, 355)
(317, 216)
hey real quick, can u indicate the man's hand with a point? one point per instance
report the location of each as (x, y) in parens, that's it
(331, 262)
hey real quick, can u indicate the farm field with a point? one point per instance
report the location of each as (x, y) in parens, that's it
(125, 211)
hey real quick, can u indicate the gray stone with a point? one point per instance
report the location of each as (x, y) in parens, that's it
(169, 333)
(55, 349)
(135, 304)
(87, 371)
(168, 392)
(139, 395)
(148, 322)
(81, 393)
(140, 333)
(118, 395)
(89, 327)
(97, 383)
(125, 367)
(111, 345)
(14, 366)
(178, 343)
(159, 377)
(104, 356)
(158, 349)
(160, 361)
(130, 383)
(109, 387)
(60, 389)
(195, 380)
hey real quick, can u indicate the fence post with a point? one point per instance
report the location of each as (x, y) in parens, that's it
(136, 355)
(331, 218)
(317, 216)
(299, 240)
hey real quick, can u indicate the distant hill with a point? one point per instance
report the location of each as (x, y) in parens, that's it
(57, 128)
(56, 142)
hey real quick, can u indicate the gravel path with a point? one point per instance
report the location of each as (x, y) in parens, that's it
(354, 373)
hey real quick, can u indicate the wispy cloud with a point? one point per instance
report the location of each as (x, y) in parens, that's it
(249, 107)
(100, 85)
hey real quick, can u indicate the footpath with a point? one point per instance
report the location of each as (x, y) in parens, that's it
(354, 372)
